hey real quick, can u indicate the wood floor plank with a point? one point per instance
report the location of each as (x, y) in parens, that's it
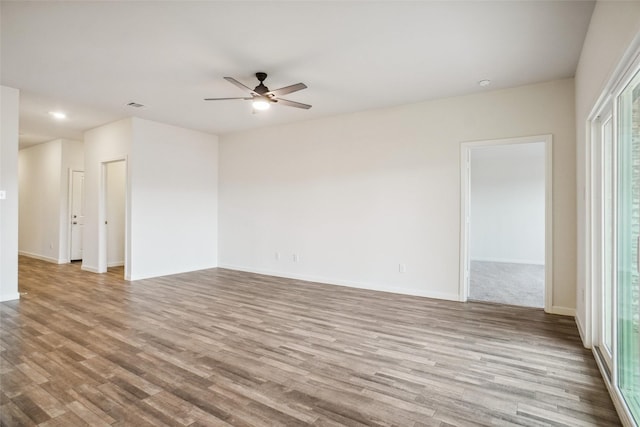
(11, 415)
(81, 405)
(225, 348)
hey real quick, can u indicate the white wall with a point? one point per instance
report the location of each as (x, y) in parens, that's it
(39, 212)
(613, 26)
(171, 202)
(106, 143)
(356, 195)
(115, 198)
(174, 224)
(508, 203)
(9, 100)
(43, 175)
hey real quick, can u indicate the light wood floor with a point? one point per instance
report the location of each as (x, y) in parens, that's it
(220, 347)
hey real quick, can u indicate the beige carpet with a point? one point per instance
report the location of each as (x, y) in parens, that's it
(507, 283)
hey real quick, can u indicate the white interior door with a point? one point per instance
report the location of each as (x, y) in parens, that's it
(116, 176)
(77, 214)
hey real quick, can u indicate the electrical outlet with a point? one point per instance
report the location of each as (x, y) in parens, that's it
(402, 268)
(3, 194)
(277, 255)
(296, 258)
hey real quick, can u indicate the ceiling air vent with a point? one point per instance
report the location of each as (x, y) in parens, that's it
(135, 105)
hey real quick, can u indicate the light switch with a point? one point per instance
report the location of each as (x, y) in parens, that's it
(3, 194)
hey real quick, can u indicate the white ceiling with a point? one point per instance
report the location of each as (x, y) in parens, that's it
(89, 59)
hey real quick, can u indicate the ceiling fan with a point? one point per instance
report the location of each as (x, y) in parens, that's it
(262, 97)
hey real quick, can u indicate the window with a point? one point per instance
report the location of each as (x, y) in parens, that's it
(615, 227)
(628, 237)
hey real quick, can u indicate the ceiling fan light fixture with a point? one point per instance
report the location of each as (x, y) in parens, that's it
(261, 104)
(59, 115)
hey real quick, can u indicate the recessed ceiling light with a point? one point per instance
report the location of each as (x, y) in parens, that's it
(58, 115)
(484, 83)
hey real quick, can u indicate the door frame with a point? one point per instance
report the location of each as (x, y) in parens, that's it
(465, 211)
(102, 215)
(69, 206)
(596, 231)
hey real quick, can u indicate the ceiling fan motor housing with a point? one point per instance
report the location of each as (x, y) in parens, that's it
(261, 88)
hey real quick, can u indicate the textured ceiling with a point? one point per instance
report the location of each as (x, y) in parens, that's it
(90, 59)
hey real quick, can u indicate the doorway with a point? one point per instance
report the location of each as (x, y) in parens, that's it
(506, 221)
(76, 210)
(113, 218)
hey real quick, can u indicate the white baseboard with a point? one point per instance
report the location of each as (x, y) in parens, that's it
(42, 257)
(586, 343)
(346, 283)
(134, 277)
(12, 296)
(115, 264)
(89, 268)
(563, 311)
(508, 260)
